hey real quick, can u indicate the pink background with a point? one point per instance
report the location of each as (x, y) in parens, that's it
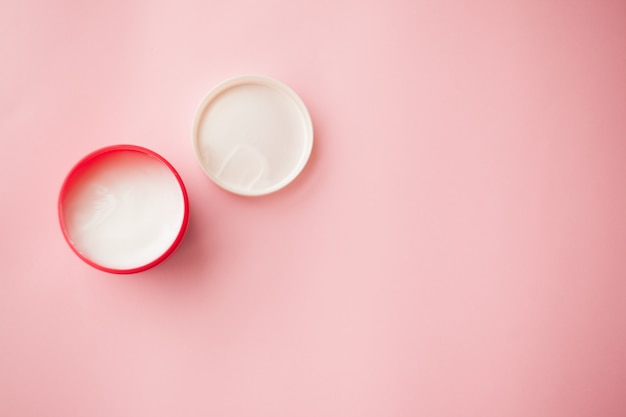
(456, 246)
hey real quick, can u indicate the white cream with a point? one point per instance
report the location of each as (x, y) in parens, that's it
(123, 210)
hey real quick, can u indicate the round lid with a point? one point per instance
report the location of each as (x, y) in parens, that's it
(252, 135)
(123, 209)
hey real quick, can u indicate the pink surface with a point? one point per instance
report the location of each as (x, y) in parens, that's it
(456, 246)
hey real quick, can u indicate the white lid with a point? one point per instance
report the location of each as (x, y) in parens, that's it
(252, 135)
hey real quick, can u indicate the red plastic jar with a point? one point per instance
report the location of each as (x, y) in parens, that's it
(123, 209)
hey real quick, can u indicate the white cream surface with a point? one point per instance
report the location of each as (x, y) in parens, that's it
(123, 210)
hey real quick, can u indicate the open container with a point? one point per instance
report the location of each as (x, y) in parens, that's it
(123, 209)
(252, 135)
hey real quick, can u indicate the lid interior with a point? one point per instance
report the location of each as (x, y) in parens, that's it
(252, 135)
